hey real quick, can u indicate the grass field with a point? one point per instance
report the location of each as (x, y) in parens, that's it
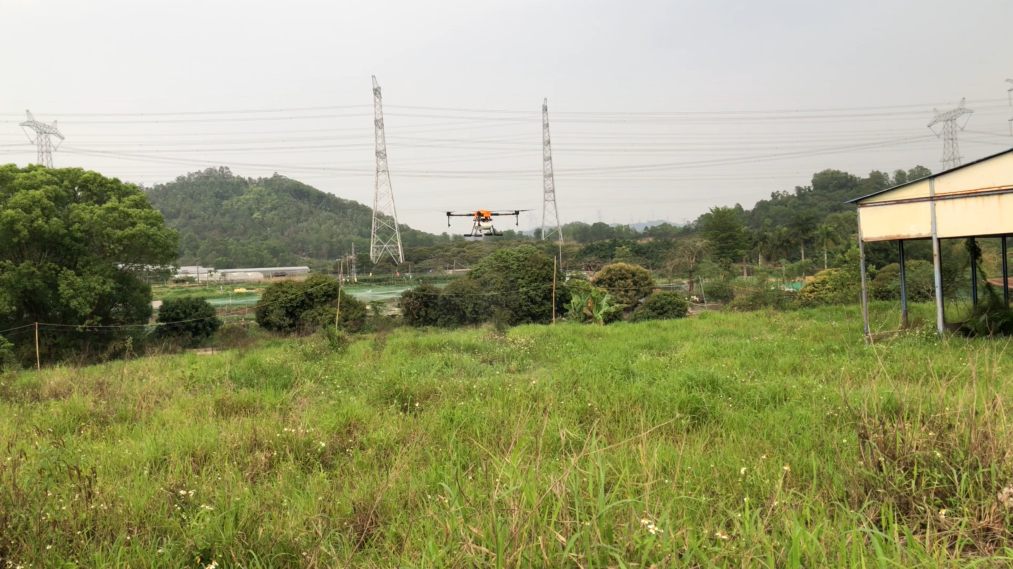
(725, 440)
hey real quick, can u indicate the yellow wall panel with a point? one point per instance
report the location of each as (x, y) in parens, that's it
(994, 173)
(896, 221)
(973, 215)
(917, 190)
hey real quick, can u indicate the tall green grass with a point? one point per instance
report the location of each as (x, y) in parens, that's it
(725, 440)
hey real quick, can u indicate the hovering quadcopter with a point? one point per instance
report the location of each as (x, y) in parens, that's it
(482, 227)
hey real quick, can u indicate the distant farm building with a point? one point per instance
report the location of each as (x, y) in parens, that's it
(260, 273)
(201, 274)
(973, 200)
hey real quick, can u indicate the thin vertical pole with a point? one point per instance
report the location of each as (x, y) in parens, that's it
(1005, 274)
(337, 313)
(937, 264)
(38, 362)
(553, 292)
(974, 273)
(903, 285)
(861, 264)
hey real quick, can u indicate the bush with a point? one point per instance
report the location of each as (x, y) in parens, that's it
(758, 292)
(189, 320)
(662, 305)
(628, 284)
(834, 286)
(518, 280)
(592, 305)
(717, 291)
(919, 278)
(8, 360)
(420, 306)
(291, 306)
(462, 303)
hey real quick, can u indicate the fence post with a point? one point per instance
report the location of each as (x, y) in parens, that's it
(553, 292)
(38, 362)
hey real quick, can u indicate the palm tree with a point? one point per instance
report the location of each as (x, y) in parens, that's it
(803, 224)
(826, 234)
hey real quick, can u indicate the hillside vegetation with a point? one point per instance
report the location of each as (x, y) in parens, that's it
(228, 221)
(728, 440)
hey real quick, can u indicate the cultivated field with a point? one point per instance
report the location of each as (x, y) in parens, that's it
(728, 440)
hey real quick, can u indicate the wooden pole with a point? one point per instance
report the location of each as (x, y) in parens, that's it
(38, 362)
(553, 291)
(337, 313)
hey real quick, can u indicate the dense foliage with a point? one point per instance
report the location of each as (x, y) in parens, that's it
(189, 320)
(519, 281)
(628, 284)
(420, 305)
(302, 306)
(229, 221)
(74, 248)
(662, 305)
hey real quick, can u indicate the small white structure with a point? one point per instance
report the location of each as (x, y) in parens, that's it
(260, 273)
(201, 274)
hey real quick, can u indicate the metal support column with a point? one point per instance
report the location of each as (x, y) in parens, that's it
(974, 272)
(903, 285)
(937, 265)
(861, 263)
(1005, 274)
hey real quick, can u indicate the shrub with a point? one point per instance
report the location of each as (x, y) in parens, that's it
(462, 303)
(662, 305)
(757, 293)
(189, 320)
(8, 360)
(717, 291)
(834, 286)
(420, 306)
(518, 280)
(919, 279)
(291, 306)
(592, 305)
(628, 284)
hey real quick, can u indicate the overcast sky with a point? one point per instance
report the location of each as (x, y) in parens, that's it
(658, 110)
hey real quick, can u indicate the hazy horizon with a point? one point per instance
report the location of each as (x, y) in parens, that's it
(658, 110)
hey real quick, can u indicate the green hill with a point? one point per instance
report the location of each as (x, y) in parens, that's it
(229, 221)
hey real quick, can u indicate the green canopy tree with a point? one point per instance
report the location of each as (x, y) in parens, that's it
(74, 246)
(727, 235)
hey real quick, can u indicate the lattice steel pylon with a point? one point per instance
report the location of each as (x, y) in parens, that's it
(1009, 94)
(550, 213)
(948, 132)
(386, 236)
(43, 141)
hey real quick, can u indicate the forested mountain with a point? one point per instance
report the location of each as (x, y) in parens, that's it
(227, 221)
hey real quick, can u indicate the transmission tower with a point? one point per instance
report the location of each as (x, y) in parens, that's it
(948, 132)
(1009, 93)
(550, 214)
(386, 237)
(42, 141)
(352, 269)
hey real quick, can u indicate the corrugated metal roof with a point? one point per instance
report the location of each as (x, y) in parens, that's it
(930, 176)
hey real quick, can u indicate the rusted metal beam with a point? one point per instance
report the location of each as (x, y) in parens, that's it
(1005, 274)
(937, 266)
(861, 263)
(903, 285)
(974, 272)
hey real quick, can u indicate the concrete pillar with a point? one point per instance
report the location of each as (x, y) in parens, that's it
(937, 265)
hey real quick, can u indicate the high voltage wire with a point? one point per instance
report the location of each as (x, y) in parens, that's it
(925, 106)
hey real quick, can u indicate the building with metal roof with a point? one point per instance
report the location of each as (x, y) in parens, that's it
(969, 201)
